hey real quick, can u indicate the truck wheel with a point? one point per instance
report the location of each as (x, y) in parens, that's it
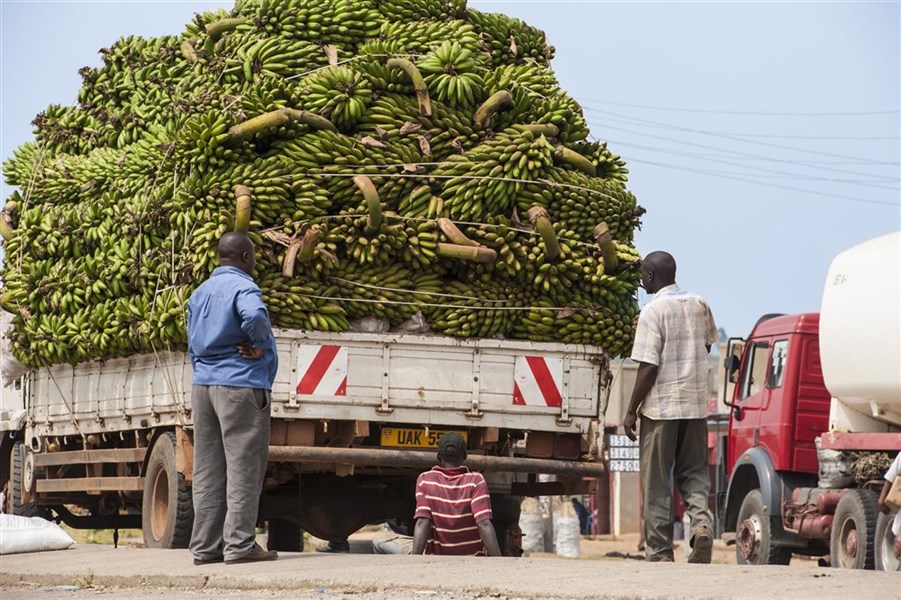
(167, 512)
(284, 535)
(884, 553)
(21, 478)
(853, 530)
(754, 539)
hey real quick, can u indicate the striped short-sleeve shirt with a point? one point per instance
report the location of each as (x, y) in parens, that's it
(455, 500)
(673, 331)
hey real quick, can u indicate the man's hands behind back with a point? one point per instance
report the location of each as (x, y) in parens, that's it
(247, 350)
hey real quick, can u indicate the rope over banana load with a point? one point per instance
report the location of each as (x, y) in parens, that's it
(387, 157)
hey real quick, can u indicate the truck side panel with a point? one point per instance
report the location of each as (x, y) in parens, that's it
(421, 380)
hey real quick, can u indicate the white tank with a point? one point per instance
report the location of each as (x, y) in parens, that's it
(860, 336)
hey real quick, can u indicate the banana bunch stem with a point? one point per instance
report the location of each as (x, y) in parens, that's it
(422, 90)
(308, 245)
(277, 118)
(546, 129)
(188, 51)
(242, 208)
(291, 257)
(215, 29)
(603, 238)
(570, 157)
(454, 234)
(373, 204)
(479, 254)
(541, 220)
(501, 100)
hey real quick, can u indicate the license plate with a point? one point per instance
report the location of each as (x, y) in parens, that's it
(402, 437)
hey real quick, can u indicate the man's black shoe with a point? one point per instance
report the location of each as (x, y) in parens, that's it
(209, 561)
(335, 547)
(256, 554)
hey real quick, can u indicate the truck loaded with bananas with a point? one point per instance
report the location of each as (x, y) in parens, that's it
(412, 161)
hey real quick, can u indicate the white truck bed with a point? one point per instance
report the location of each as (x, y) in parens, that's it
(396, 378)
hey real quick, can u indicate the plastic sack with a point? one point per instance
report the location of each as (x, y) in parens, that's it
(369, 325)
(31, 534)
(388, 542)
(415, 324)
(566, 529)
(836, 468)
(531, 522)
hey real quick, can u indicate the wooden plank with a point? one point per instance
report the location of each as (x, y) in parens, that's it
(91, 484)
(82, 457)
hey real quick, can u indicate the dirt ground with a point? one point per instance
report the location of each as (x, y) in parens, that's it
(624, 547)
(608, 569)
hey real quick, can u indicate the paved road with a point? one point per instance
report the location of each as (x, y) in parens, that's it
(144, 573)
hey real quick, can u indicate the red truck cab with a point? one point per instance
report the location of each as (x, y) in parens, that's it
(780, 402)
(780, 405)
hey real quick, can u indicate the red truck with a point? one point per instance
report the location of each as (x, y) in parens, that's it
(816, 420)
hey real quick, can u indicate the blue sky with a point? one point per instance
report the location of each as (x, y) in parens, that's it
(763, 138)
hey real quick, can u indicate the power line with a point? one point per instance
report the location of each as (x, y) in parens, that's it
(776, 171)
(851, 138)
(773, 185)
(738, 139)
(747, 112)
(746, 154)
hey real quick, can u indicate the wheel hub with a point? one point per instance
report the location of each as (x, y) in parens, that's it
(159, 516)
(28, 471)
(851, 544)
(749, 536)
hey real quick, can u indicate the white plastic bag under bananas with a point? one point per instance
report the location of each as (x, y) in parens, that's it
(402, 156)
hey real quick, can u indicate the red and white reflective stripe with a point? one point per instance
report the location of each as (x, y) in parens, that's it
(322, 370)
(538, 381)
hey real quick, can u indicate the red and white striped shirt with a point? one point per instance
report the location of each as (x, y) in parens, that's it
(455, 500)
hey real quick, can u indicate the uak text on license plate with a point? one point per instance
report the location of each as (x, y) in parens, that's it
(402, 437)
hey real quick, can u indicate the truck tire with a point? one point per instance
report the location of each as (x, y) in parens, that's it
(167, 512)
(284, 535)
(854, 530)
(21, 467)
(884, 553)
(753, 536)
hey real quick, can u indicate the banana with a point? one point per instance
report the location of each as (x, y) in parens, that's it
(130, 190)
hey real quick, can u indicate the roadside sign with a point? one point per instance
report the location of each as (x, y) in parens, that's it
(623, 454)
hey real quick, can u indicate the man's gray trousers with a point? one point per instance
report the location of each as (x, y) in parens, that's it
(231, 449)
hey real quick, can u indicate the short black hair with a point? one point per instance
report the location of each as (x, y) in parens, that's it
(662, 263)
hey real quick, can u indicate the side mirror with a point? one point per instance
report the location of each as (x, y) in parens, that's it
(737, 413)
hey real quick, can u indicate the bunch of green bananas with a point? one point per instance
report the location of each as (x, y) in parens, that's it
(488, 179)
(452, 73)
(510, 40)
(401, 156)
(481, 308)
(339, 93)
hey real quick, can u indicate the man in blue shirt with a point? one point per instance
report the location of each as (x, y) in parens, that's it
(234, 357)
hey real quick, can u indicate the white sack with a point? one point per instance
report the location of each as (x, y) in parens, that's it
(531, 522)
(566, 528)
(31, 534)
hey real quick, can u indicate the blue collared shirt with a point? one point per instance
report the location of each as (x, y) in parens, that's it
(224, 311)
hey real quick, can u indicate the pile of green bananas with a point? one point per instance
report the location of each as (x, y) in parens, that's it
(387, 157)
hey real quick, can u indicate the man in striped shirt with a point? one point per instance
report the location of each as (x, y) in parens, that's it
(453, 509)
